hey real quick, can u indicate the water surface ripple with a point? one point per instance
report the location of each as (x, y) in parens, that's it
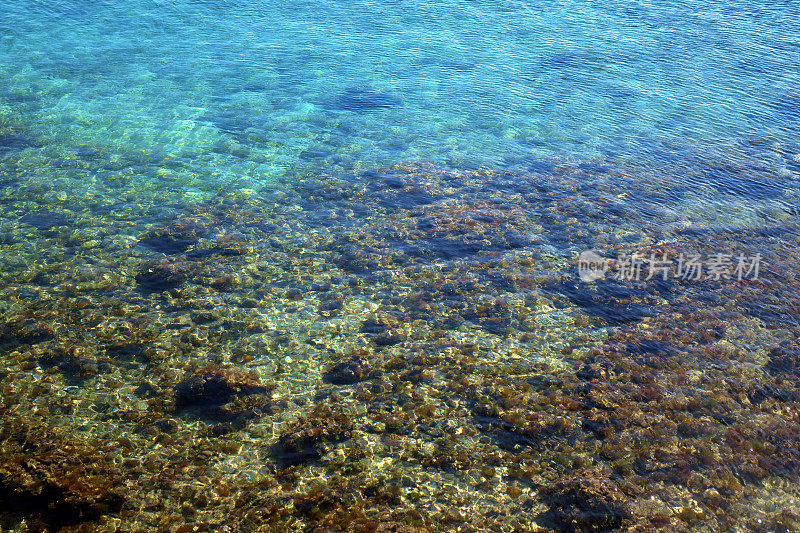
(399, 266)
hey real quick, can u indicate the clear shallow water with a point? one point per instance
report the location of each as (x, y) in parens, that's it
(471, 83)
(312, 264)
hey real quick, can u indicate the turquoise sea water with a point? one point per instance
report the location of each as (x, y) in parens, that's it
(249, 91)
(299, 265)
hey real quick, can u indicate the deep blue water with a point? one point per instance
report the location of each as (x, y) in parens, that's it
(248, 91)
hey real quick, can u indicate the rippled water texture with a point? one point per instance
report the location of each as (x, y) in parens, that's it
(313, 266)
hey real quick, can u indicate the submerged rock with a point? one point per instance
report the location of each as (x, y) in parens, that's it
(580, 504)
(372, 327)
(362, 99)
(784, 359)
(24, 331)
(52, 482)
(45, 220)
(74, 369)
(226, 396)
(742, 183)
(302, 442)
(607, 300)
(11, 142)
(346, 373)
(216, 387)
(160, 276)
(167, 242)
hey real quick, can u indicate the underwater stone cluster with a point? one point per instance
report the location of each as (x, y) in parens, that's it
(408, 349)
